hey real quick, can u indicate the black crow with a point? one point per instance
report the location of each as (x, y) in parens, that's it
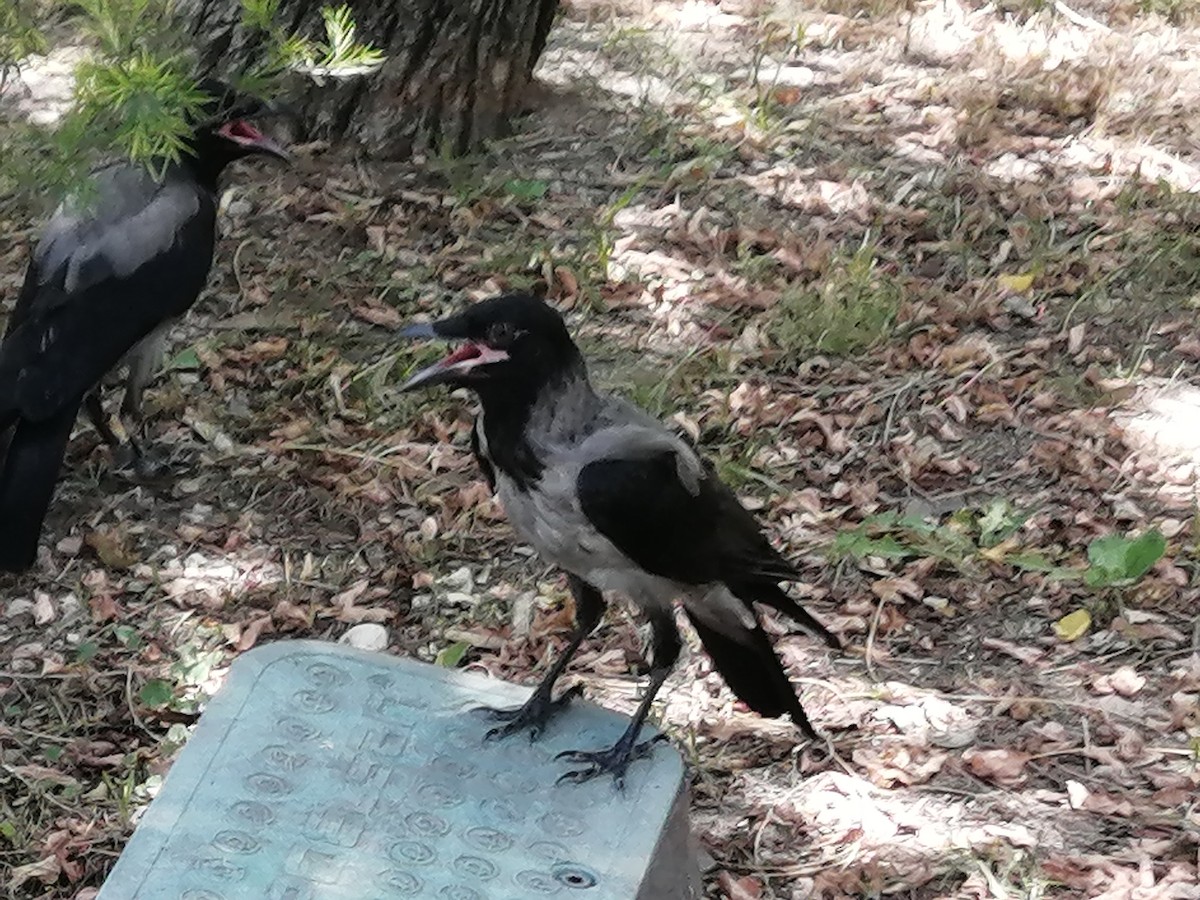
(114, 268)
(607, 493)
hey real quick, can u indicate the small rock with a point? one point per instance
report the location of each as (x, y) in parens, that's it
(522, 614)
(43, 609)
(71, 545)
(366, 636)
(18, 607)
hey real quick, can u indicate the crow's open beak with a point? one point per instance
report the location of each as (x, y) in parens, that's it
(246, 135)
(458, 365)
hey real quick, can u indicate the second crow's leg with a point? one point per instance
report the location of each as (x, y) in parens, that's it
(143, 361)
(541, 706)
(616, 759)
(125, 453)
(95, 413)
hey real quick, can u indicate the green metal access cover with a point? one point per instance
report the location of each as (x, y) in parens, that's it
(324, 773)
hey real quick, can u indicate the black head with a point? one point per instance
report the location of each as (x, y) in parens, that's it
(225, 130)
(509, 341)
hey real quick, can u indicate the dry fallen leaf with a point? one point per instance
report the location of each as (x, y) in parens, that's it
(43, 609)
(1003, 766)
(1073, 626)
(745, 888)
(110, 548)
(895, 588)
(1018, 284)
(44, 870)
(378, 314)
(1124, 681)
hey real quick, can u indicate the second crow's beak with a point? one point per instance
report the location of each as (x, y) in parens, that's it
(455, 367)
(246, 135)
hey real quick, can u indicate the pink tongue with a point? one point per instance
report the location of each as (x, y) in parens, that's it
(244, 130)
(466, 351)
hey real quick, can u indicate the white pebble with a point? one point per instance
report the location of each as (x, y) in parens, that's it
(366, 636)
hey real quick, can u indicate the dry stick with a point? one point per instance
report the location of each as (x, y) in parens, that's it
(1068, 704)
(891, 414)
(870, 645)
(758, 836)
(132, 711)
(45, 795)
(1087, 745)
(1083, 751)
(237, 267)
(1079, 19)
(341, 451)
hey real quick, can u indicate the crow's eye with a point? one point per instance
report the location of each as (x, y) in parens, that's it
(501, 335)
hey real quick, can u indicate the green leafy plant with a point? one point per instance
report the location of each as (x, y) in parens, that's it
(999, 521)
(524, 189)
(1118, 561)
(851, 307)
(451, 656)
(156, 692)
(136, 93)
(19, 35)
(988, 533)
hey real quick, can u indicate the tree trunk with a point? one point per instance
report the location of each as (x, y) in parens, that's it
(456, 70)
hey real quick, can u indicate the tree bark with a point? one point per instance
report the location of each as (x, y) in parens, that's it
(456, 70)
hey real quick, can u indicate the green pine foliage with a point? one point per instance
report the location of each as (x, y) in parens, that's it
(19, 35)
(136, 93)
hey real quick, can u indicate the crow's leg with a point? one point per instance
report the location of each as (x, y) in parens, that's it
(616, 759)
(541, 706)
(143, 362)
(95, 413)
(124, 452)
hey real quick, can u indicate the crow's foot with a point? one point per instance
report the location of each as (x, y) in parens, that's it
(614, 761)
(137, 464)
(537, 711)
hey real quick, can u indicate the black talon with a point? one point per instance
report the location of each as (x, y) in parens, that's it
(534, 714)
(615, 760)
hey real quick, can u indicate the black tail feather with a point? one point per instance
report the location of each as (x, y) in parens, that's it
(753, 672)
(772, 595)
(28, 473)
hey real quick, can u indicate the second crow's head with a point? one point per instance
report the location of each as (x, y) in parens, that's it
(226, 128)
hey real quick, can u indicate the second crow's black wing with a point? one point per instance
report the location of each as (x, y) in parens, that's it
(133, 255)
(643, 507)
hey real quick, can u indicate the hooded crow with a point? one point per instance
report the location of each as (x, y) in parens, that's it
(113, 270)
(610, 495)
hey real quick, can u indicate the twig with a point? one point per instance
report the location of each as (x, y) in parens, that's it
(237, 266)
(32, 785)
(1079, 19)
(342, 451)
(137, 720)
(39, 676)
(1087, 744)
(891, 413)
(758, 835)
(870, 645)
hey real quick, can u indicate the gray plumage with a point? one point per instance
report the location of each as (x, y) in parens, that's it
(570, 426)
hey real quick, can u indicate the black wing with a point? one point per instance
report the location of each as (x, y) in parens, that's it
(103, 277)
(643, 507)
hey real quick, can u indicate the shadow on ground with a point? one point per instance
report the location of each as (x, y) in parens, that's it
(918, 285)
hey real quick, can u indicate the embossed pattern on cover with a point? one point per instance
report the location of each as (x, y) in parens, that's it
(323, 773)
